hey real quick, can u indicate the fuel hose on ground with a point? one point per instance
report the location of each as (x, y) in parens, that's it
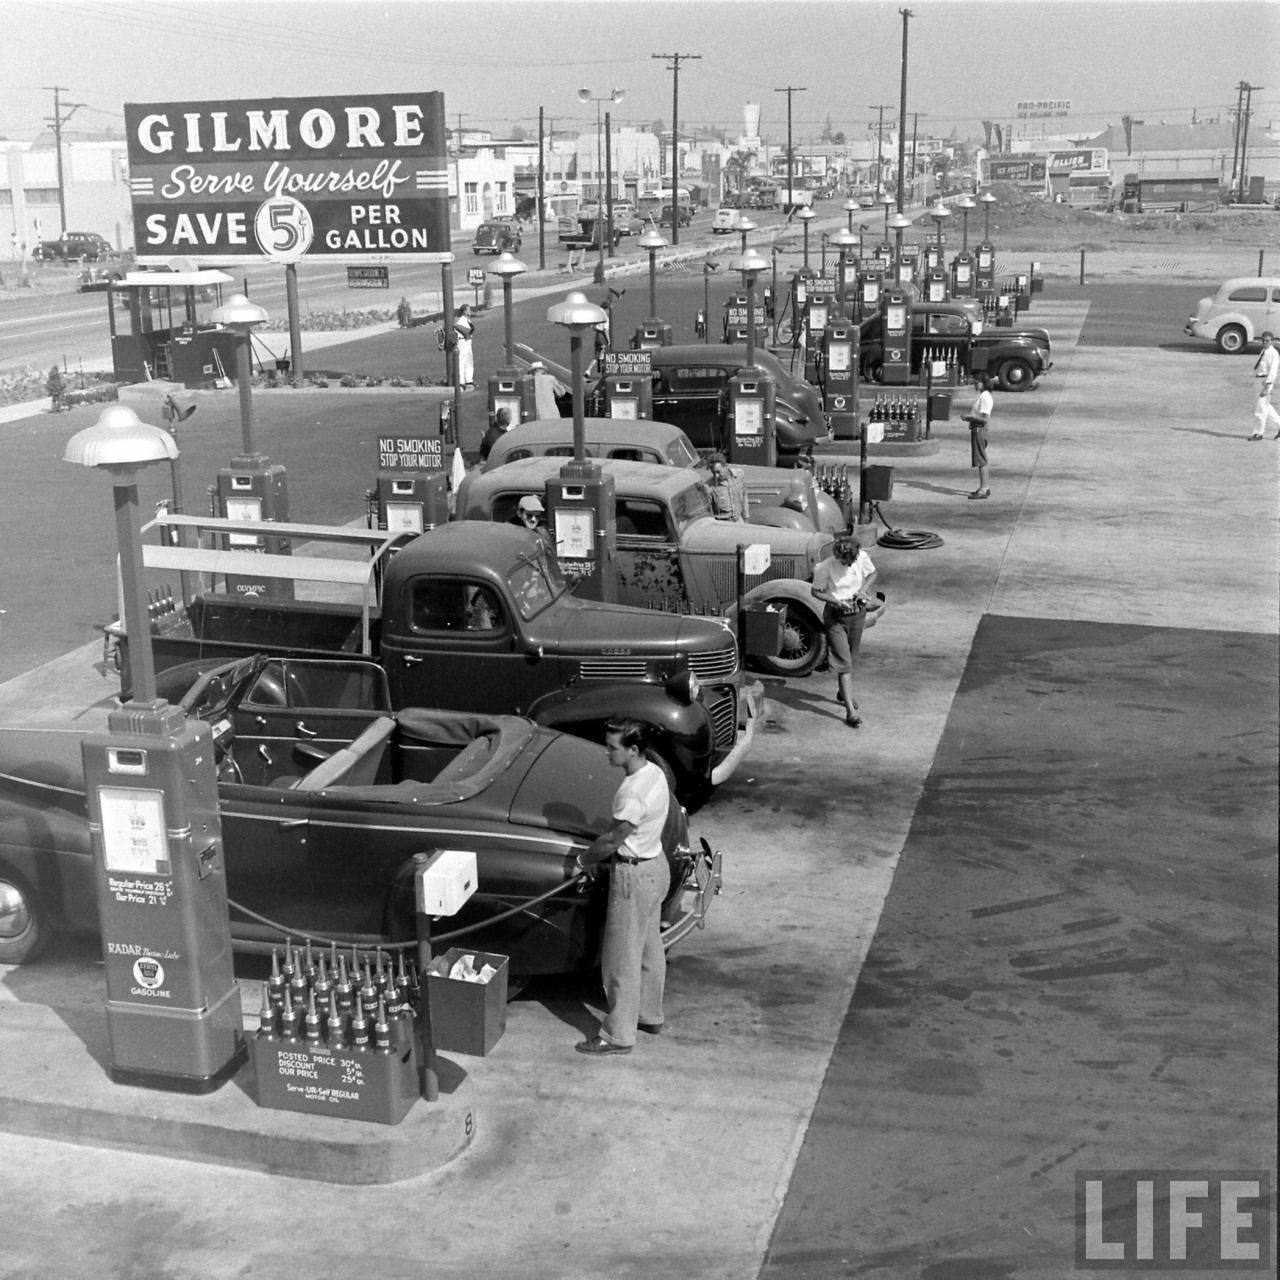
(905, 539)
(304, 938)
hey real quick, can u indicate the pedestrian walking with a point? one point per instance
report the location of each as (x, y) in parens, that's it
(1265, 369)
(978, 418)
(632, 963)
(463, 328)
(841, 582)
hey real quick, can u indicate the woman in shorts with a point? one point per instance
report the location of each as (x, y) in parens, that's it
(841, 582)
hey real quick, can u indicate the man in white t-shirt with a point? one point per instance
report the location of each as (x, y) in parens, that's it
(1265, 370)
(632, 963)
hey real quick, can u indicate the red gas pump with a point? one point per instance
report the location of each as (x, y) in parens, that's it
(984, 274)
(582, 517)
(628, 384)
(752, 433)
(173, 1008)
(818, 313)
(962, 276)
(870, 285)
(935, 285)
(735, 318)
(839, 386)
(252, 488)
(652, 333)
(896, 326)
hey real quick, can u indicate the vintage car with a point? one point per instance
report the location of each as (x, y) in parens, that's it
(325, 797)
(626, 221)
(497, 235)
(725, 220)
(783, 498)
(1234, 316)
(673, 556)
(73, 246)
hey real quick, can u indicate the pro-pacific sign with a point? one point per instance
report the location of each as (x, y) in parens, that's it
(347, 179)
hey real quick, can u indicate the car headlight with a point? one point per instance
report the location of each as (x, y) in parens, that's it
(685, 686)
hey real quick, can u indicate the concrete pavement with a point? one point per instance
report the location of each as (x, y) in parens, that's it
(1121, 491)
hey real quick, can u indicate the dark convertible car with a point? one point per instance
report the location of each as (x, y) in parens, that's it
(325, 798)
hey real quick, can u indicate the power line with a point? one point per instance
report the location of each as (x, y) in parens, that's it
(675, 59)
(57, 121)
(791, 185)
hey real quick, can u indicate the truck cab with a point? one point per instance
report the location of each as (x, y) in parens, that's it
(674, 556)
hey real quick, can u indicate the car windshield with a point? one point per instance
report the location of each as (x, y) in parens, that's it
(689, 504)
(535, 583)
(680, 453)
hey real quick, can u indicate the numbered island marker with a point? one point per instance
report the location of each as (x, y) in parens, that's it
(284, 229)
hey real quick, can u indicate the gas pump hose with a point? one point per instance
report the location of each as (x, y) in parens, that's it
(409, 946)
(905, 539)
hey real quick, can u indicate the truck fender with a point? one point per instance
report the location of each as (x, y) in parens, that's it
(686, 724)
(777, 517)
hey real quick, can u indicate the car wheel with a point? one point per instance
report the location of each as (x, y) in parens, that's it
(1016, 375)
(803, 642)
(23, 929)
(1231, 339)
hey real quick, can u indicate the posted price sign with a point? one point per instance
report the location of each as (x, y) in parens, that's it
(351, 179)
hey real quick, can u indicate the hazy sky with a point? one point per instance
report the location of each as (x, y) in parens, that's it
(497, 63)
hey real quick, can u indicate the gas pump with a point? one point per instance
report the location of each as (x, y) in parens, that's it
(252, 488)
(752, 438)
(984, 274)
(935, 285)
(514, 391)
(412, 489)
(932, 260)
(173, 1007)
(652, 333)
(870, 284)
(839, 392)
(628, 384)
(895, 312)
(735, 318)
(962, 277)
(582, 517)
(884, 256)
(909, 265)
(817, 315)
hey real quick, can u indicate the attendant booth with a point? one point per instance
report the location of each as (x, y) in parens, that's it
(169, 335)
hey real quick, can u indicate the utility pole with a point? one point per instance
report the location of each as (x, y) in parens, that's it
(915, 126)
(457, 165)
(1235, 142)
(880, 107)
(791, 183)
(57, 122)
(1244, 136)
(675, 60)
(902, 111)
(542, 193)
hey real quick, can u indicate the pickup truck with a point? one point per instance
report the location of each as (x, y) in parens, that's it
(584, 233)
(472, 618)
(1014, 357)
(674, 556)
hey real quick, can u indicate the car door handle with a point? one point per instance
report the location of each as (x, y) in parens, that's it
(411, 660)
(302, 731)
(291, 824)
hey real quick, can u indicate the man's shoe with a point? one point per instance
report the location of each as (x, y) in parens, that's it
(598, 1047)
(1255, 437)
(650, 1028)
(981, 493)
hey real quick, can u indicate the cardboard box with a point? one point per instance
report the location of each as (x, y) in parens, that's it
(467, 1017)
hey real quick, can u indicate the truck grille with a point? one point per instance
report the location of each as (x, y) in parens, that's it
(722, 705)
(724, 574)
(622, 667)
(719, 665)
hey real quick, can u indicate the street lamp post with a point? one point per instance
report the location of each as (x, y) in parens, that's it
(806, 216)
(986, 200)
(577, 315)
(652, 241)
(751, 264)
(886, 202)
(120, 443)
(744, 226)
(604, 196)
(899, 223)
(939, 213)
(240, 314)
(826, 240)
(507, 267)
(709, 268)
(964, 204)
(850, 207)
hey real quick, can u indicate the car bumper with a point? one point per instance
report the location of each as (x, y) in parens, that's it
(750, 709)
(703, 884)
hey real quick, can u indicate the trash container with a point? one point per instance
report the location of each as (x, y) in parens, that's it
(467, 1017)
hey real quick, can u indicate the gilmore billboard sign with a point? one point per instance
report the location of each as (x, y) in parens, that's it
(352, 179)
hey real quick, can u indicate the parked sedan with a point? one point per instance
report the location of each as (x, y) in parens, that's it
(325, 798)
(498, 235)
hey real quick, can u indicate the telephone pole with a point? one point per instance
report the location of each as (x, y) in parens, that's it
(1244, 136)
(791, 184)
(675, 59)
(57, 121)
(1235, 142)
(881, 108)
(902, 111)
